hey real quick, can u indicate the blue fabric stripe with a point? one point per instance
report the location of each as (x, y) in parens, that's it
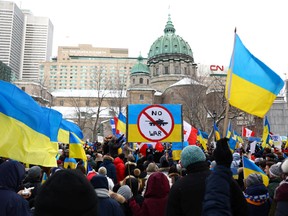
(72, 127)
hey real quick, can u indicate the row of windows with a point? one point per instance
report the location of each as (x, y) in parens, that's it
(141, 81)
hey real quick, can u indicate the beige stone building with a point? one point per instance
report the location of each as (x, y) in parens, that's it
(85, 67)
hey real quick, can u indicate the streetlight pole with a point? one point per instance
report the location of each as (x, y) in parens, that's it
(214, 115)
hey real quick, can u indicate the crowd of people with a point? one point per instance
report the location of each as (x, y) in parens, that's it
(118, 179)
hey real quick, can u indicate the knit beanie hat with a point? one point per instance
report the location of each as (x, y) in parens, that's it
(192, 154)
(34, 172)
(125, 191)
(67, 192)
(99, 181)
(253, 179)
(275, 170)
(284, 166)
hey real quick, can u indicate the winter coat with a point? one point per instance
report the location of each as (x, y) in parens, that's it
(107, 205)
(281, 198)
(120, 169)
(187, 193)
(258, 200)
(155, 197)
(11, 175)
(273, 184)
(217, 195)
(110, 167)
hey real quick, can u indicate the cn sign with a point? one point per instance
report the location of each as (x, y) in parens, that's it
(216, 68)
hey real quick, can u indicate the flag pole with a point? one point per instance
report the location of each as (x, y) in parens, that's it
(229, 75)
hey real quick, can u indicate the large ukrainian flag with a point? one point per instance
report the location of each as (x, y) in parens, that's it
(135, 114)
(28, 131)
(251, 85)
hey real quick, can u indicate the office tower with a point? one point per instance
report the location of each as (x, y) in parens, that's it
(11, 37)
(25, 40)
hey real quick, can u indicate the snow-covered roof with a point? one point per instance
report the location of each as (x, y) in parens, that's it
(186, 81)
(158, 93)
(89, 93)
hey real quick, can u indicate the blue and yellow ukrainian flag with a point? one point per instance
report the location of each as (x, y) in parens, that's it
(29, 131)
(266, 132)
(76, 149)
(201, 139)
(44, 178)
(229, 130)
(232, 141)
(249, 167)
(177, 148)
(70, 163)
(142, 129)
(217, 132)
(121, 124)
(251, 85)
(239, 138)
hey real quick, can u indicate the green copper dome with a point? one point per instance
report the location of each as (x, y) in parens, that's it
(169, 43)
(140, 67)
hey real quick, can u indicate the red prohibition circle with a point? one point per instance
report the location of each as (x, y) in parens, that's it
(144, 111)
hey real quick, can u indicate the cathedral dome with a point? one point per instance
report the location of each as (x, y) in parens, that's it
(140, 67)
(169, 43)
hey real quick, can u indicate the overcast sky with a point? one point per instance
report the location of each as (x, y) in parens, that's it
(207, 25)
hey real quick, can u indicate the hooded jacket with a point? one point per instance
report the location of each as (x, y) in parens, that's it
(11, 203)
(155, 197)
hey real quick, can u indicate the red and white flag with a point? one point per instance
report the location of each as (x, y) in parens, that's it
(247, 132)
(190, 133)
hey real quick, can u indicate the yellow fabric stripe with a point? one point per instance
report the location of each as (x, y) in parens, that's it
(249, 97)
(77, 151)
(176, 154)
(22, 143)
(63, 136)
(121, 126)
(135, 136)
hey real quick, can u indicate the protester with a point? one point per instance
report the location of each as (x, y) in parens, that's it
(217, 194)
(134, 184)
(256, 195)
(274, 178)
(102, 171)
(67, 192)
(281, 193)
(120, 167)
(106, 205)
(155, 197)
(12, 174)
(110, 167)
(181, 202)
(33, 180)
(125, 192)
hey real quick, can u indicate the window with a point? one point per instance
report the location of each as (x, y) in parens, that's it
(166, 70)
(177, 71)
(141, 97)
(157, 71)
(61, 103)
(87, 102)
(147, 81)
(133, 81)
(23, 89)
(141, 81)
